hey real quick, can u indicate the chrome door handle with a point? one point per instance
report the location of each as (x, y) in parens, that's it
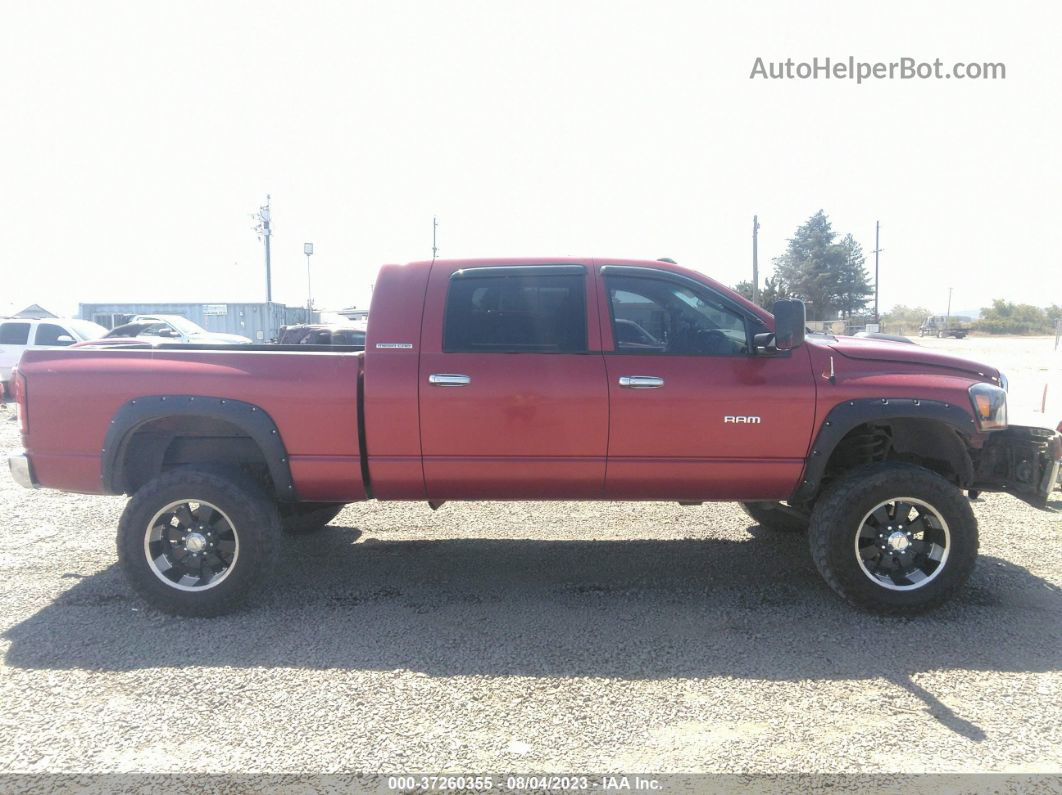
(641, 381)
(449, 379)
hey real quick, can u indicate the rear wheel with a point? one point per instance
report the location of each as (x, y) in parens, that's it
(197, 544)
(775, 516)
(894, 538)
(300, 518)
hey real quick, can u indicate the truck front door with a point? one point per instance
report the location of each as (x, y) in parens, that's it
(695, 413)
(513, 397)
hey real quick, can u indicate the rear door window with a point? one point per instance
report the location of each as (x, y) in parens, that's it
(14, 333)
(531, 311)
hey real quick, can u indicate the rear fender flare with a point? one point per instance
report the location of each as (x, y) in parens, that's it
(850, 414)
(251, 419)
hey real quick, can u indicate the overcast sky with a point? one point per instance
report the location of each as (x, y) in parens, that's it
(137, 138)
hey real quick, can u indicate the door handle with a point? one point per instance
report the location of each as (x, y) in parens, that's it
(449, 379)
(641, 381)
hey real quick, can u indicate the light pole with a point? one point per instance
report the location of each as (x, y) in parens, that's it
(947, 317)
(307, 249)
(265, 231)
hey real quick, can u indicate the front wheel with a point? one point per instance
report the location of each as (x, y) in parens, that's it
(894, 538)
(194, 543)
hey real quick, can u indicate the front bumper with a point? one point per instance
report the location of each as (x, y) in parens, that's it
(1025, 461)
(21, 469)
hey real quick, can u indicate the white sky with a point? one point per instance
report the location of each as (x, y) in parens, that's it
(136, 139)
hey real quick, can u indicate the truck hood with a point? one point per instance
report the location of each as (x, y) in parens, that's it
(886, 351)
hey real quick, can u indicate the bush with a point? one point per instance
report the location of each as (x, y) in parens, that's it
(1004, 317)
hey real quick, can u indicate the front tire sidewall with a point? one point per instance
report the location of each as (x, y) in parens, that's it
(253, 517)
(835, 523)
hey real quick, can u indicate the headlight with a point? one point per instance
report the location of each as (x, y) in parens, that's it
(990, 406)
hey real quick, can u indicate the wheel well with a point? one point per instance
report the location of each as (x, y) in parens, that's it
(166, 443)
(927, 443)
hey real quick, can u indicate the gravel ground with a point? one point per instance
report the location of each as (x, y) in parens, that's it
(530, 637)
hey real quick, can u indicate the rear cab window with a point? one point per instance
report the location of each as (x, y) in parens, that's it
(525, 309)
(14, 333)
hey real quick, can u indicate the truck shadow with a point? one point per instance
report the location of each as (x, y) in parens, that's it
(625, 609)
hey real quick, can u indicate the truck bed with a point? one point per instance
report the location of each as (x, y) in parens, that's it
(310, 394)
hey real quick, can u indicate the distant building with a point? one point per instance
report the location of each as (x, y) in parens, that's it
(259, 322)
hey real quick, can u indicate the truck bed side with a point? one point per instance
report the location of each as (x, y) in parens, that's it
(75, 396)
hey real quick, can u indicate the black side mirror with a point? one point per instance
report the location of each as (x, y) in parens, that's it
(790, 320)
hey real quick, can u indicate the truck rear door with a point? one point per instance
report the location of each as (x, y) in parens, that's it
(694, 414)
(513, 397)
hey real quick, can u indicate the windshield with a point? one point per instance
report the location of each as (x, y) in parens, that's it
(182, 324)
(86, 329)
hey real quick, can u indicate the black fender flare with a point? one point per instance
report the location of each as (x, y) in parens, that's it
(850, 414)
(251, 419)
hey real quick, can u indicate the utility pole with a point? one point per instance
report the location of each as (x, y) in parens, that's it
(265, 231)
(434, 226)
(947, 317)
(755, 260)
(877, 251)
(307, 249)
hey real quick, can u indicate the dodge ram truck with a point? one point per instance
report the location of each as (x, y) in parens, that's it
(535, 379)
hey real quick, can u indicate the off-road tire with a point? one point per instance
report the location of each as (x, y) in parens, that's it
(773, 517)
(253, 517)
(835, 523)
(301, 518)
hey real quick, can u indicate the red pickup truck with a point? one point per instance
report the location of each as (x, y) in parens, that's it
(535, 379)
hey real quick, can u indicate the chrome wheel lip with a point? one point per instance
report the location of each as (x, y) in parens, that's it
(151, 560)
(924, 507)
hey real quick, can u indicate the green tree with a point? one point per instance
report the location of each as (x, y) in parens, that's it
(807, 267)
(904, 319)
(771, 291)
(1003, 317)
(829, 275)
(853, 282)
(744, 288)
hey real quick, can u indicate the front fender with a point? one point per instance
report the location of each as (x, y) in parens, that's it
(850, 414)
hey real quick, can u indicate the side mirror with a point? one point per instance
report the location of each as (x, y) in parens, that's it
(64, 339)
(790, 320)
(168, 332)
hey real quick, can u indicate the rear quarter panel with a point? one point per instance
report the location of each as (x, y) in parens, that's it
(311, 397)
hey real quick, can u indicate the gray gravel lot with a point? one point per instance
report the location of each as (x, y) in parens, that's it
(533, 637)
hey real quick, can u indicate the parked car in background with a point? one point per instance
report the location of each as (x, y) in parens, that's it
(323, 334)
(172, 328)
(19, 334)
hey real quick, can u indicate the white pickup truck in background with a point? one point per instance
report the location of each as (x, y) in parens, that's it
(19, 334)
